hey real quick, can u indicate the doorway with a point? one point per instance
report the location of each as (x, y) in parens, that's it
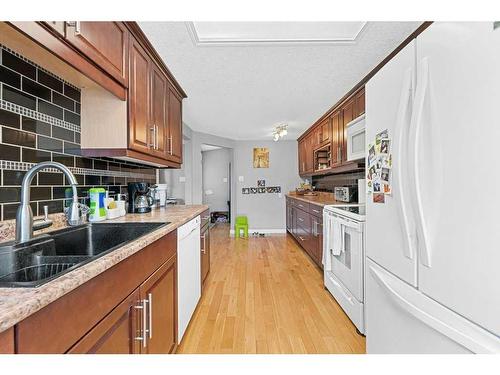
(216, 182)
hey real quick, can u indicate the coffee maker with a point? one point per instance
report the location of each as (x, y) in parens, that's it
(139, 197)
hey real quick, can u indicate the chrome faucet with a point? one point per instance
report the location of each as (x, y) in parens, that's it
(24, 215)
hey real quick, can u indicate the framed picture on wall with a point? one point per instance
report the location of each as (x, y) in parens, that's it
(261, 183)
(261, 157)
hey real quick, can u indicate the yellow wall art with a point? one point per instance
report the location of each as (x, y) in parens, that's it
(261, 157)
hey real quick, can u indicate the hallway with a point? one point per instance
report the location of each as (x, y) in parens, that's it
(264, 295)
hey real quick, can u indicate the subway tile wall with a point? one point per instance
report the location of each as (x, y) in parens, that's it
(40, 121)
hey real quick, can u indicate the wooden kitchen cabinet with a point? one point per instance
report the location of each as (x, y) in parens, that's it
(323, 147)
(58, 26)
(118, 333)
(205, 252)
(359, 99)
(145, 122)
(337, 139)
(155, 109)
(305, 153)
(109, 309)
(305, 224)
(159, 293)
(324, 132)
(159, 107)
(174, 126)
(348, 114)
(105, 43)
(139, 99)
(144, 323)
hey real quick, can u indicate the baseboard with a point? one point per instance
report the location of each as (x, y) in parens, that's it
(264, 231)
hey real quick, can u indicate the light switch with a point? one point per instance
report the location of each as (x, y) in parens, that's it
(224, 179)
(241, 179)
(280, 195)
(182, 179)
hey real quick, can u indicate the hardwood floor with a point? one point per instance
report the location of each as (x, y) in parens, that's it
(264, 295)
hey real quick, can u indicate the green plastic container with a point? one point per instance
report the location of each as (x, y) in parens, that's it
(97, 207)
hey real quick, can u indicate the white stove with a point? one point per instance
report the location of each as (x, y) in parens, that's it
(344, 258)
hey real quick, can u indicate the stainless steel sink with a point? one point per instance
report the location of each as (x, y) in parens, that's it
(46, 257)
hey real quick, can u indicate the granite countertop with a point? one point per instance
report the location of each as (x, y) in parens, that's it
(17, 304)
(322, 199)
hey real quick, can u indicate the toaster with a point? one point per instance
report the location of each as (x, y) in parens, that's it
(347, 194)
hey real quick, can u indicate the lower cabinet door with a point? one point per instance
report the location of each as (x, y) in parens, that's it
(205, 254)
(117, 333)
(159, 297)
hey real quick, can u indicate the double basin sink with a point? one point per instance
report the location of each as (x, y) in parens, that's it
(48, 256)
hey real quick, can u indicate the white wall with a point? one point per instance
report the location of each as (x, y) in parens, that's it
(265, 211)
(215, 167)
(172, 177)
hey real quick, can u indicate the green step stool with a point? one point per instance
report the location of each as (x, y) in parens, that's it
(240, 224)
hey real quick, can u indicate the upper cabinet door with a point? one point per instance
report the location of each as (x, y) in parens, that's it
(174, 126)
(139, 99)
(326, 130)
(159, 102)
(337, 138)
(348, 114)
(309, 162)
(105, 43)
(359, 99)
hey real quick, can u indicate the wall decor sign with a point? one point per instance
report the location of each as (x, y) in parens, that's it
(379, 171)
(261, 157)
(261, 183)
(261, 190)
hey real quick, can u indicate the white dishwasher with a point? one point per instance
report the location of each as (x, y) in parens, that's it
(188, 273)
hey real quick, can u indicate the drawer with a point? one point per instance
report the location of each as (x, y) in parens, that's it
(304, 220)
(316, 210)
(205, 218)
(301, 204)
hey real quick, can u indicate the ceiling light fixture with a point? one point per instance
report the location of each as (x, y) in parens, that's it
(279, 132)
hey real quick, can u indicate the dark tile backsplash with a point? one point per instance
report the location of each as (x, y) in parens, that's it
(40, 121)
(329, 182)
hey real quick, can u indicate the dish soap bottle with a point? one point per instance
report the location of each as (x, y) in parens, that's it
(97, 205)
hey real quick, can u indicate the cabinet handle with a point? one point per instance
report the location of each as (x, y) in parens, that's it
(150, 306)
(76, 25)
(339, 153)
(315, 211)
(153, 145)
(301, 238)
(300, 219)
(204, 244)
(142, 332)
(144, 323)
(157, 138)
(170, 141)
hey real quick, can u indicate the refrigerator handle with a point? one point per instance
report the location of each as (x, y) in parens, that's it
(435, 315)
(416, 125)
(401, 169)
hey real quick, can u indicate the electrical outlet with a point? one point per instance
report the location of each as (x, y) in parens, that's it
(182, 179)
(241, 179)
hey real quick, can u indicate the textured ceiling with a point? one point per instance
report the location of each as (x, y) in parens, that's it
(242, 92)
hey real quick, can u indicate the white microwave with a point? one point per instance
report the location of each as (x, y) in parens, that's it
(356, 139)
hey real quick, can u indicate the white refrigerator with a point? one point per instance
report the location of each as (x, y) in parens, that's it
(433, 248)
